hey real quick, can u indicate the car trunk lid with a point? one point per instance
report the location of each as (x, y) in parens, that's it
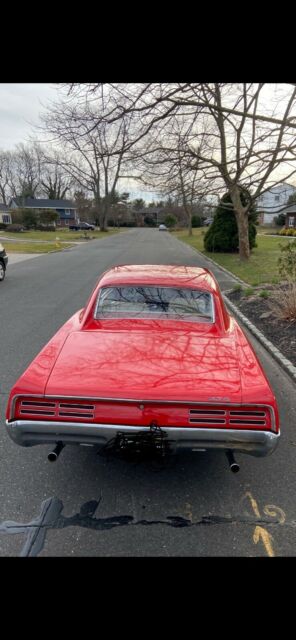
(147, 365)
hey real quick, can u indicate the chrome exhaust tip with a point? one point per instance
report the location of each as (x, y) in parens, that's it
(233, 465)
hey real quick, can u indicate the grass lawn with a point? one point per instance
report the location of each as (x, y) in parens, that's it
(262, 266)
(33, 247)
(64, 236)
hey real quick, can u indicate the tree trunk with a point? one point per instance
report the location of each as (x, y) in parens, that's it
(190, 225)
(242, 219)
(104, 213)
(243, 234)
(189, 216)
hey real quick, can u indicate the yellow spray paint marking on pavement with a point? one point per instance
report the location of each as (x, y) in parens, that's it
(254, 504)
(275, 512)
(261, 533)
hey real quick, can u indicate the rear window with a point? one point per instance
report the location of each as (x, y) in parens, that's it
(154, 302)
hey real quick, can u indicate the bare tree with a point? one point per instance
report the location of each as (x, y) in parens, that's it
(94, 157)
(5, 176)
(26, 170)
(249, 136)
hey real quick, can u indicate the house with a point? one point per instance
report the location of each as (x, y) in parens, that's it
(65, 208)
(290, 217)
(271, 202)
(158, 214)
(5, 216)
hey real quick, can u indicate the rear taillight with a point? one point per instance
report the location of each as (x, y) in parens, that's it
(248, 417)
(30, 408)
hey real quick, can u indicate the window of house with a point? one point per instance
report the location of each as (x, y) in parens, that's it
(68, 212)
(6, 218)
(66, 221)
(291, 222)
(277, 198)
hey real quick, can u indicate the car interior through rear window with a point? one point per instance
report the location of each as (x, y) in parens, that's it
(157, 302)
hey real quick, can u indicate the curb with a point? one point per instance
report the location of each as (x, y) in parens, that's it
(277, 355)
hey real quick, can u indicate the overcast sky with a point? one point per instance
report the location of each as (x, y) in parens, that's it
(20, 106)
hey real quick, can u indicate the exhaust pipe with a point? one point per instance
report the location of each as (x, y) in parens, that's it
(234, 467)
(53, 455)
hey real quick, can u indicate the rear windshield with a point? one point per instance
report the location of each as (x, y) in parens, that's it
(154, 302)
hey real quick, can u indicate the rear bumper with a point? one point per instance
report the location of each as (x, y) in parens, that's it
(29, 433)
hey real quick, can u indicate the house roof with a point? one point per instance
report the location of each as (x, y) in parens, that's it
(290, 209)
(147, 210)
(3, 207)
(43, 203)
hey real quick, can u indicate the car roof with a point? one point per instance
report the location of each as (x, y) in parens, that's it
(165, 275)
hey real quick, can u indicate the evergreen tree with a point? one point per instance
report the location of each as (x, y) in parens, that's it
(222, 235)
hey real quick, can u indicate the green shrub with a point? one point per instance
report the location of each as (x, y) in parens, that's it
(196, 221)
(149, 221)
(46, 227)
(15, 228)
(170, 220)
(264, 294)
(30, 218)
(287, 260)
(249, 292)
(3, 225)
(237, 287)
(222, 235)
(280, 219)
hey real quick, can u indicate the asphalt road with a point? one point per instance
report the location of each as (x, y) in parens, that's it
(86, 505)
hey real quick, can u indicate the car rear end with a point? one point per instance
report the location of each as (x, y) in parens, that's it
(251, 429)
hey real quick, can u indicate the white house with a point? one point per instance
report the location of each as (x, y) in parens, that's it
(5, 217)
(272, 202)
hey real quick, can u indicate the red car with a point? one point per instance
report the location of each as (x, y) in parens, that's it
(154, 356)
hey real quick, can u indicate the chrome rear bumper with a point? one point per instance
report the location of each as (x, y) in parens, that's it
(29, 433)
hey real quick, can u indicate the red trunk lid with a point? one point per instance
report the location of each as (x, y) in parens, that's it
(147, 365)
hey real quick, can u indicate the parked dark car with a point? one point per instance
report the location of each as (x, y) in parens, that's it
(3, 262)
(82, 226)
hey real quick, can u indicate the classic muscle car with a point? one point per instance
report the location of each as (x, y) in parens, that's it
(153, 353)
